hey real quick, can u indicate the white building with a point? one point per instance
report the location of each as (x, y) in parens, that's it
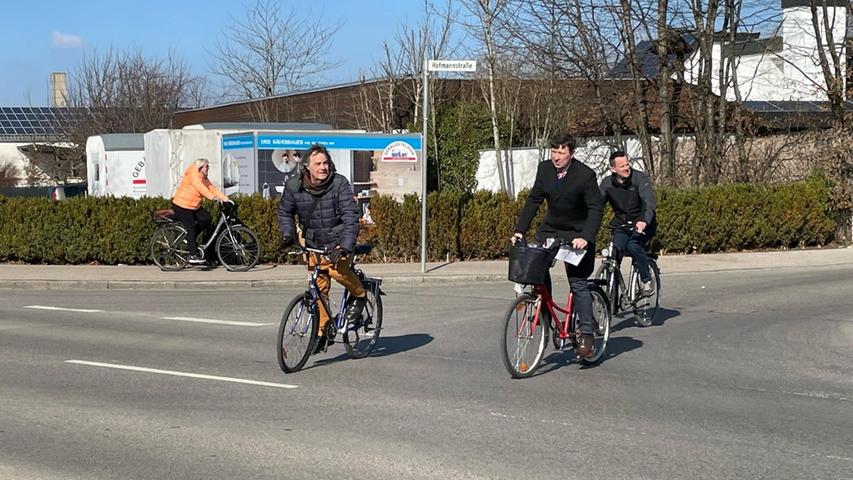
(785, 66)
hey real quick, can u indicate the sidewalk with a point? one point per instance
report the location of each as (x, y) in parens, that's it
(95, 277)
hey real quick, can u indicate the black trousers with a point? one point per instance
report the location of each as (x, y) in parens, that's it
(194, 221)
(579, 286)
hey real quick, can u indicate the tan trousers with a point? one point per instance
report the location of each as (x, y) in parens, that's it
(343, 274)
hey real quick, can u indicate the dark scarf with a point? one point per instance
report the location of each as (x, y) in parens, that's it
(318, 189)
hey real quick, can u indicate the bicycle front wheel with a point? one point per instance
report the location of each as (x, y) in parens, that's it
(361, 339)
(238, 250)
(600, 324)
(523, 340)
(297, 334)
(646, 306)
(169, 247)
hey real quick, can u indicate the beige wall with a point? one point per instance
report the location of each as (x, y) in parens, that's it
(395, 178)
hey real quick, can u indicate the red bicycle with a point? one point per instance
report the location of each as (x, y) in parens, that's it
(527, 323)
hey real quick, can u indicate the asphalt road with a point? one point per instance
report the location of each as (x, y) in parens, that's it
(746, 374)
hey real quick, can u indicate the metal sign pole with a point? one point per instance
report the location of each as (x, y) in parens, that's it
(424, 169)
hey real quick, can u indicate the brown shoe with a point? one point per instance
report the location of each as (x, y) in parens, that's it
(585, 346)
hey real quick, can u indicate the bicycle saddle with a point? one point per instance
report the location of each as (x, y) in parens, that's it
(162, 215)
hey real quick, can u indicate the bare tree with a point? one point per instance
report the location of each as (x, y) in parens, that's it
(433, 37)
(270, 52)
(639, 86)
(486, 15)
(10, 174)
(829, 50)
(119, 92)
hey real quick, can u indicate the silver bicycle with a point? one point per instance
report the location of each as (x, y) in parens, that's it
(628, 296)
(237, 247)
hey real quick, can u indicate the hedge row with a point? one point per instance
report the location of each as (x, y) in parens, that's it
(460, 226)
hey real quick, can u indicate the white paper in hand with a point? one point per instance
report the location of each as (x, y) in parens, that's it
(571, 255)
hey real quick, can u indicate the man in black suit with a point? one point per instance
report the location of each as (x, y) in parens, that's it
(574, 214)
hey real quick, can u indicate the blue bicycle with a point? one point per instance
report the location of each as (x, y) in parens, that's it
(297, 332)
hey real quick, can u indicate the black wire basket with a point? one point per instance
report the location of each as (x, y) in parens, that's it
(528, 265)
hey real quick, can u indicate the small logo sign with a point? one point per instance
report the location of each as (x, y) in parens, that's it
(399, 152)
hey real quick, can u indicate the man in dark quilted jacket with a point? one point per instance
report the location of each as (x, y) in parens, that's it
(323, 200)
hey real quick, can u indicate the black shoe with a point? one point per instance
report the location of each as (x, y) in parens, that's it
(321, 345)
(354, 311)
(197, 260)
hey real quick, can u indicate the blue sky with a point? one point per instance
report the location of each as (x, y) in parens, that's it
(43, 36)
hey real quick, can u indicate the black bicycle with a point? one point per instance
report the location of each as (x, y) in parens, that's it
(297, 332)
(628, 296)
(237, 246)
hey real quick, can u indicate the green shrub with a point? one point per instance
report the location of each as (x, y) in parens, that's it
(460, 226)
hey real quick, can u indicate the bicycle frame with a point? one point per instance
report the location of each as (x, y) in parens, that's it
(220, 224)
(338, 320)
(564, 328)
(621, 298)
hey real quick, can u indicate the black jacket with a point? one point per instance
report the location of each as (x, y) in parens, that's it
(334, 220)
(632, 200)
(574, 203)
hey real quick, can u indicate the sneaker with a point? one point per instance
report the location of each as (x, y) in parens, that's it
(647, 288)
(197, 260)
(354, 311)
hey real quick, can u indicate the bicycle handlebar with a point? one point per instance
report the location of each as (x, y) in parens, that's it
(303, 250)
(631, 226)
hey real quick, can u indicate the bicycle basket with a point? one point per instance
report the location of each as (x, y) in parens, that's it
(528, 265)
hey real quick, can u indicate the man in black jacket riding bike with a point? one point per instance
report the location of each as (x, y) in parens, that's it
(633, 200)
(323, 200)
(574, 215)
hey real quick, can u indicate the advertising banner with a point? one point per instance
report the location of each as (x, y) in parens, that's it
(238, 163)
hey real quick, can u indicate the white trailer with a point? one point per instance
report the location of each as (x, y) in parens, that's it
(115, 165)
(169, 152)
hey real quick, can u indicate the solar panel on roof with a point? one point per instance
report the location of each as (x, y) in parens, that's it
(29, 121)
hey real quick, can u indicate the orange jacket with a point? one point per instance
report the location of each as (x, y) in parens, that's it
(192, 187)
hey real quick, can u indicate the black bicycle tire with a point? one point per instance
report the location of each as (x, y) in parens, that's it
(282, 327)
(154, 240)
(515, 373)
(595, 290)
(377, 328)
(223, 236)
(656, 274)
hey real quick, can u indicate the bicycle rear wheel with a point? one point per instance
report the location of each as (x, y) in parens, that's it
(297, 334)
(361, 340)
(600, 324)
(239, 250)
(646, 306)
(522, 343)
(169, 247)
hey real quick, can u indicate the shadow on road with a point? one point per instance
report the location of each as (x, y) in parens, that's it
(384, 347)
(615, 347)
(625, 320)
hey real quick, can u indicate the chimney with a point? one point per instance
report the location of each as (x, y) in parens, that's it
(58, 89)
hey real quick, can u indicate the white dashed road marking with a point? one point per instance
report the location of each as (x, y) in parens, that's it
(218, 322)
(61, 309)
(180, 374)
